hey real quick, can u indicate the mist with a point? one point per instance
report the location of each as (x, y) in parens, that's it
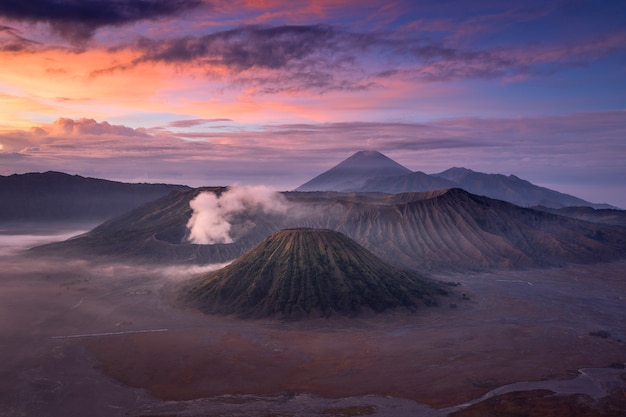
(51, 305)
(15, 240)
(71, 327)
(212, 216)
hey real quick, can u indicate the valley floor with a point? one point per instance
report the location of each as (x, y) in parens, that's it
(81, 338)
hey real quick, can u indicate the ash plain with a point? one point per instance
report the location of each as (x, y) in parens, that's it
(105, 339)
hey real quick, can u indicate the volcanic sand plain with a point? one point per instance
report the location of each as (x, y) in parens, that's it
(95, 338)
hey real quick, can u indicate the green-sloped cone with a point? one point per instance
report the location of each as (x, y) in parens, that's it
(296, 273)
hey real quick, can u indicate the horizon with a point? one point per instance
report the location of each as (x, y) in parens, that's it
(277, 189)
(202, 92)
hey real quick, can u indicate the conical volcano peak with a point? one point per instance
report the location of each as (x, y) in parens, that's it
(353, 172)
(369, 155)
(299, 273)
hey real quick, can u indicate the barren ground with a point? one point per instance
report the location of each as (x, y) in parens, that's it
(517, 326)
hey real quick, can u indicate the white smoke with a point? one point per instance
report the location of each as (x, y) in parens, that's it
(210, 222)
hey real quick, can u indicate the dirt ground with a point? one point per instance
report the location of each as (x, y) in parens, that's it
(83, 338)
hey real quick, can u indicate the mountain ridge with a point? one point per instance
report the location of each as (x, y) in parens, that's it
(437, 230)
(57, 196)
(498, 186)
(513, 189)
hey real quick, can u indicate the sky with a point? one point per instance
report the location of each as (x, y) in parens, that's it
(274, 92)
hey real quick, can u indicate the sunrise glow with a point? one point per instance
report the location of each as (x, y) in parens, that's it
(211, 92)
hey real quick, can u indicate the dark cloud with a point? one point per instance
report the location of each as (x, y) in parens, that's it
(250, 46)
(314, 56)
(12, 41)
(281, 58)
(325, 58)
(79, 19)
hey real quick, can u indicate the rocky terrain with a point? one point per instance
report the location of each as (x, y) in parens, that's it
(438, 230)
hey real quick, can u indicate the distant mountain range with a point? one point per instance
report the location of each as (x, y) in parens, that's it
(442, 229)
(439, 230)
(371, 171)
(60, 197)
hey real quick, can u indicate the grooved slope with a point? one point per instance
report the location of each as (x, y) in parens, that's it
(302, 272)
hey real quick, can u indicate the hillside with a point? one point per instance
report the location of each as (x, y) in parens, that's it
(297, 273)
(439, 230)
(453, 229)
(413, 182)
(60, 197)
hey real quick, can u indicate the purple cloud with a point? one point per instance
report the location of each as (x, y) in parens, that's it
(12, 41)
(325, 58)
(77, 20)
(195, 122)
(64, 126)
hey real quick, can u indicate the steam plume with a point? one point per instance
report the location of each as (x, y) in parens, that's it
(210, 221)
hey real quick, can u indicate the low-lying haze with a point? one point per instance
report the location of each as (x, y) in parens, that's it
(17, 239)
(102, 327)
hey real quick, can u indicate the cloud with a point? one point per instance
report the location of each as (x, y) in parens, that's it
(290, 59)
(567, 149)
(12, 41)
(247, 47)
(279, 58)
(195, 122)
(64, 126)
(210, 222)
(441, 61)
(323, 58)
(78, 20)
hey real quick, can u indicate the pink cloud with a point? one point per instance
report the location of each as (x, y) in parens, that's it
(563, 149)
(65, 127)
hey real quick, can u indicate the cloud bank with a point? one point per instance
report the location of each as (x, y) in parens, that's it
(210, 222)
(64, 126)
(569, 149)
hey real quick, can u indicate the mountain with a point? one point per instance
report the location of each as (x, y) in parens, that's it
(374, 172)
(413, 182)
(154, 232)
(298, 273)
(56, 196)
(354, 172)
(512, 189)
(606, 216)
(438, 230)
